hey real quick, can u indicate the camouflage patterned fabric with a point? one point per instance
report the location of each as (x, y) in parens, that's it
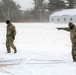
(72, 30)
(10, 36)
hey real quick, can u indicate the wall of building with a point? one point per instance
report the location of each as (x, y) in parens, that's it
(62, 19)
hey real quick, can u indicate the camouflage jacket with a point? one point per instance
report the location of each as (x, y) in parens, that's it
(72, 33)
(11, 31)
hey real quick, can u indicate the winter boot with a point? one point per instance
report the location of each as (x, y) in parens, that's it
(15, 51)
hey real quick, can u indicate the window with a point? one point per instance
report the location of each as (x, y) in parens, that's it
(64, 19)
(58, 19)
(52, 19)
(70, 19)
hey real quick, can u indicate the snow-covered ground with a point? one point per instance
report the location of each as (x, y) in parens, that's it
(44, 50)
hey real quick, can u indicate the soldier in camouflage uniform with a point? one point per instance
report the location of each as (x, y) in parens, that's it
(72, 30)
(10, 36)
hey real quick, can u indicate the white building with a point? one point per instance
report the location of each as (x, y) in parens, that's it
(64, 16)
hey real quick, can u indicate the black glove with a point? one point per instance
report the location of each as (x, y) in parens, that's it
(13, 38)
(59, 28)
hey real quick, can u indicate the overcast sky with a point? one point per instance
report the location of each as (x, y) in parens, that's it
(25, 4)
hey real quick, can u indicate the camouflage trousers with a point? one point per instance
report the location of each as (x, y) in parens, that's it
(74, 51)
(9, 44)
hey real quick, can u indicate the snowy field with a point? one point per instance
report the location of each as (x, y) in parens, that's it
(43, 49)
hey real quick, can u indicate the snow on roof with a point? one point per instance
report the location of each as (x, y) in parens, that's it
(65, 12)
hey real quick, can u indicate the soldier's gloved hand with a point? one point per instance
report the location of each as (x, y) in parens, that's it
(59, 28)
(13, 37)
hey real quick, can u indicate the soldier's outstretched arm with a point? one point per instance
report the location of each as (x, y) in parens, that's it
(59, 28)
(66, 29)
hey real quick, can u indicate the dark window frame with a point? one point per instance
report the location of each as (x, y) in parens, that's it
(58, 19)
(52, 19)
(71, 19)
(64, 19)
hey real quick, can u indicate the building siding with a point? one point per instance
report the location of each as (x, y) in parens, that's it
(62, 19)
